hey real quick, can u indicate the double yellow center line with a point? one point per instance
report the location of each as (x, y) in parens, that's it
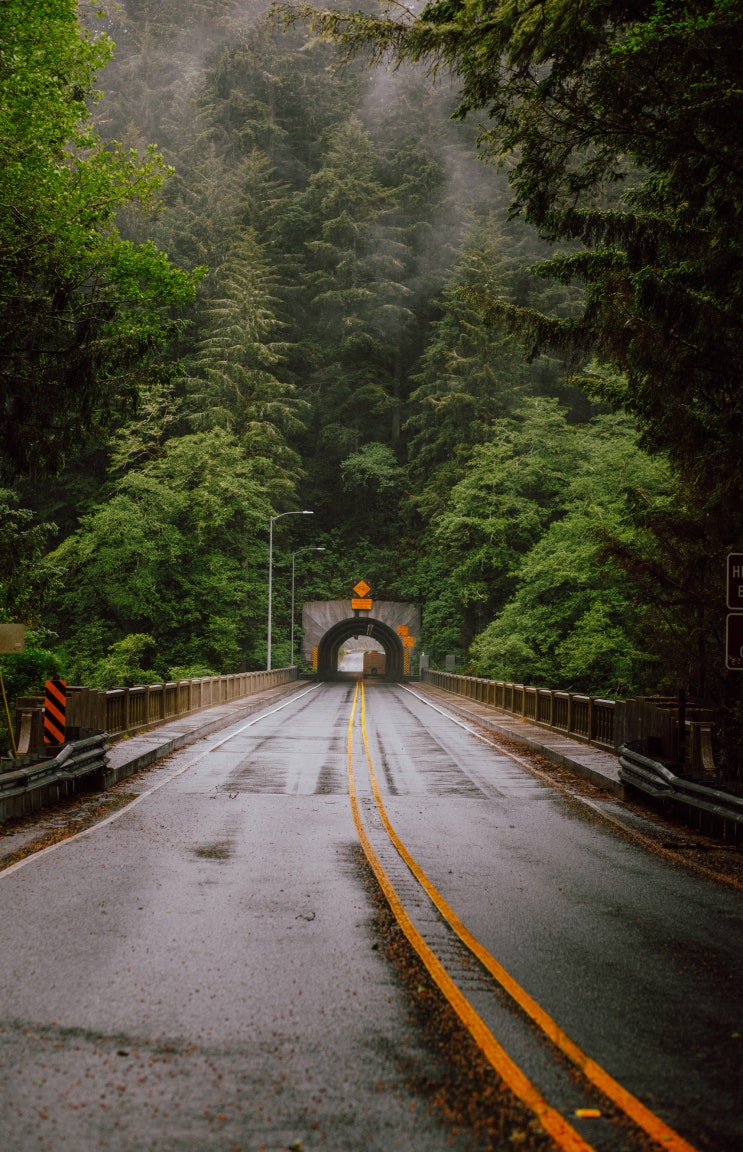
(552, 1121)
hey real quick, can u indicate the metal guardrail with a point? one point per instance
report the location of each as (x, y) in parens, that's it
(37, 782)
(588, 718)
(657, 780)
(609, 724)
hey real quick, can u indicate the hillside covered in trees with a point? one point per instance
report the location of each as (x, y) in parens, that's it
(244, 273)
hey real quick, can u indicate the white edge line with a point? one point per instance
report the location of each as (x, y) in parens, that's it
(448, 716)
(627, 827)
(498, 748)
(155, 788)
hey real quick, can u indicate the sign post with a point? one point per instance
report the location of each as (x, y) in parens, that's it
(55, 708)
(361, 602)
(408, 642)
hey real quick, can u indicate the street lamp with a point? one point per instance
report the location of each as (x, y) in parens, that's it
(309, 548)
(270, 573)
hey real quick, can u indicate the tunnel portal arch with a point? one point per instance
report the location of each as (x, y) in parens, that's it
(329, 645)
(326, 624)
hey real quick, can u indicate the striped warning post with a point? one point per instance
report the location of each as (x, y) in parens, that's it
(55, 703)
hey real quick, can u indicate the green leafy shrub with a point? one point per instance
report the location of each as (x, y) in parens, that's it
(24, 674)
(122, 667)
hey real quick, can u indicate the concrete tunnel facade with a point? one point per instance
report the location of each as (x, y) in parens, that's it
(328, 624)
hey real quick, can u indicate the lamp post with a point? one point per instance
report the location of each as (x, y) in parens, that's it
(309, 548)
(270, 574)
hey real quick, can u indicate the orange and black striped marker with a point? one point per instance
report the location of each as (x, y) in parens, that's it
(55, 703)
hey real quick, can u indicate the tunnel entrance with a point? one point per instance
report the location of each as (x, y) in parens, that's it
(328, 624)
(329, 646)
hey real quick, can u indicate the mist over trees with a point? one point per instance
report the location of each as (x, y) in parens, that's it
(318, 298)
(621, 129)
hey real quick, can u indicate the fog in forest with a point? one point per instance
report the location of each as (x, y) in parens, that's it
(344, 346)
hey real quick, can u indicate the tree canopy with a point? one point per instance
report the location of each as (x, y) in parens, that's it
(581, 100)
(82, 311)
(620, 124)
(422, 349)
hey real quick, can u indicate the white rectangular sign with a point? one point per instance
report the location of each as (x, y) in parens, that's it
(12, 638)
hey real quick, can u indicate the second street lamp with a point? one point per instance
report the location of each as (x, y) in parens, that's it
(309, 548)
(270, 574)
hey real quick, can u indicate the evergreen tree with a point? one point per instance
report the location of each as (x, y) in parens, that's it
(233, 383)
(278, 93)
(353, 307)
(473, 372)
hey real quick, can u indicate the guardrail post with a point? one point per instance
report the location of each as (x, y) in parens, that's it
(570, 712)
(30, 734)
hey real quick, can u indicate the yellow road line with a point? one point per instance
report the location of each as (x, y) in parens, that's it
(630, 1105)
(551, 1120)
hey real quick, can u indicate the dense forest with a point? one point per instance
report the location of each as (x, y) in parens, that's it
(243, 272)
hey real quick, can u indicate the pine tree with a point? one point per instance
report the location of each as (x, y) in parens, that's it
(232, 372)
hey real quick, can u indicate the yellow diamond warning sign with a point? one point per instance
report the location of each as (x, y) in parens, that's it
(361, 589)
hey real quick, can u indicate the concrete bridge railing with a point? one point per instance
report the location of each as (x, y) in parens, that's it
(608, 724)
(120, 710)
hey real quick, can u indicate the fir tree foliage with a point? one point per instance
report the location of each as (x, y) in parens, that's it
(472, 371)
(352, 350)
(232, 382)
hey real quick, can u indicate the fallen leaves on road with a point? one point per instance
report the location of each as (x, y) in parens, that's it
(458, 1082)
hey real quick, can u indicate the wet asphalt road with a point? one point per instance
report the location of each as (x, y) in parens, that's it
(201, 972)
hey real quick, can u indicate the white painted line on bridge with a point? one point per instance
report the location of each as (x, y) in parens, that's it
(155, 788)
